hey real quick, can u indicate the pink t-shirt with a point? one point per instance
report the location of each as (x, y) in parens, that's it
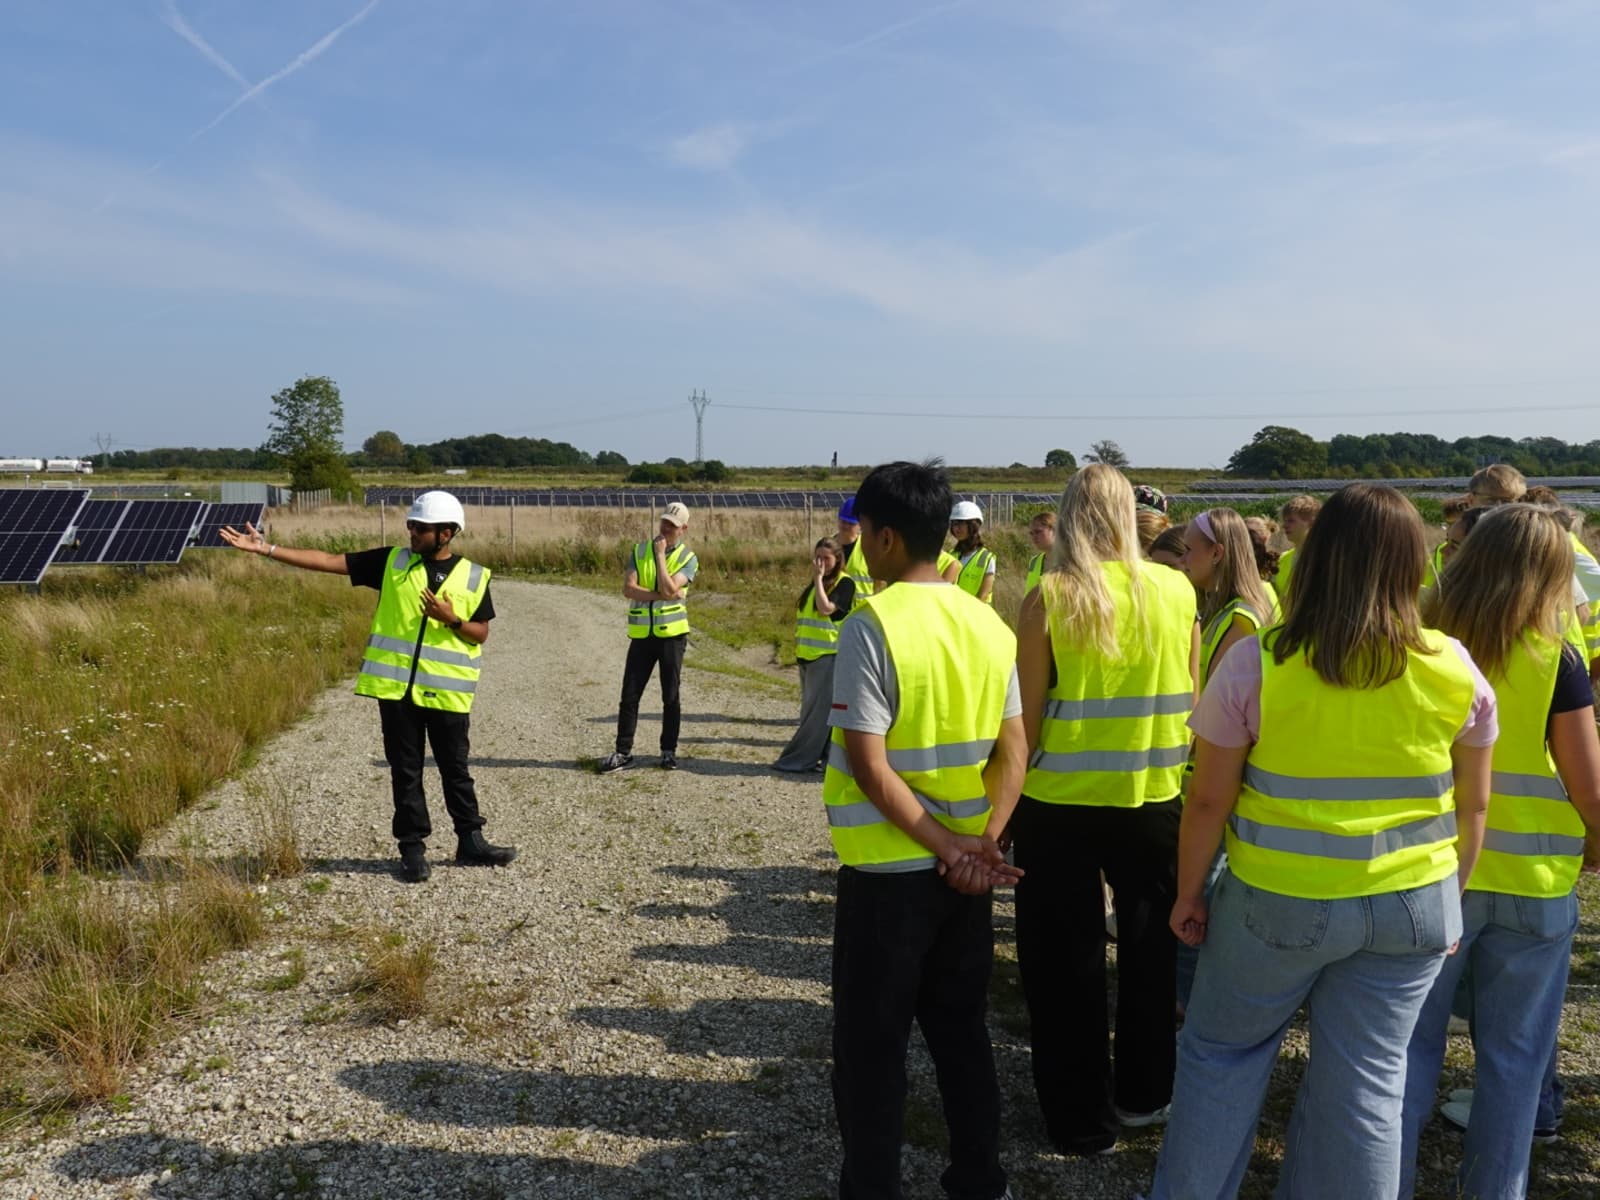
(1229, 712)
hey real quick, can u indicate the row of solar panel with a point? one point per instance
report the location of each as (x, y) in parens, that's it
(1456, 483)
(40, 528)
(625, 498)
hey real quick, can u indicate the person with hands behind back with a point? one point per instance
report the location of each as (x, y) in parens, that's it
(927, 755)
(421, 665)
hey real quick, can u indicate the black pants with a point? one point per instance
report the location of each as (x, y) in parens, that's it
(405, 726)
(1061, 955)
(908, 947)
(643, 656)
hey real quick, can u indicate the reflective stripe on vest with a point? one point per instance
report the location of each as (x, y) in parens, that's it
(953, 661)
(814, 634)
(405, 650)
(1113, 731)
(1533, 840)
(855, 566)
(659, 618)
(970, 580)
(1349, 791)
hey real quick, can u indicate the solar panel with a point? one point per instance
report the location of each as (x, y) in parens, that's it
(32, 523)
(154, 531)
(95, 525)
(236, 515)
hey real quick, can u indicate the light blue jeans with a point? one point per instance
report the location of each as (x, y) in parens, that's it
(1365, 966)
(1517, 950)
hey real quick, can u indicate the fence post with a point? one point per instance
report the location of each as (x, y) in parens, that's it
(383, 522)
(513, 518)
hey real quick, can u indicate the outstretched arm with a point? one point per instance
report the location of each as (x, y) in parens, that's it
(252, 542)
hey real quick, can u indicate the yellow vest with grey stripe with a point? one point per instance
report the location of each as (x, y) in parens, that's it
(1035, 573)
(1533, 845)
(1350, 791)
(405, 649)
(815, 635)
(659, 618)
(1591, 631)
(1113, 732)
(1217, 628)
(952, 661)
(855, 566)
(970, 580)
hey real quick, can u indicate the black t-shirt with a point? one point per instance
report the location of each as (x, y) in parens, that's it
(843, 596)
(1573, 689)
(367, 568)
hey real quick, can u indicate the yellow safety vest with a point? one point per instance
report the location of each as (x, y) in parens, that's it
(814, 634)
(1035, 573)
(855, 566)
(1349, 791)
(1591, 631)
(405, 650)
(1285, 569)
(1113, 732)
(953, 661)
(1217, 629)
(971, 578)
(659, 618)
(1533, 845)
(945, 559)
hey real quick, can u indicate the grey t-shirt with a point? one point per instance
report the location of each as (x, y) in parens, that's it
(866, 696)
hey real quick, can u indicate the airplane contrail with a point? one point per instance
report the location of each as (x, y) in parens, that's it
(300, 61)
(174, 20)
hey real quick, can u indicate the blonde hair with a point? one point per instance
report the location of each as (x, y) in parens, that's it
(1499, 484)
(1300, 506)
(1512, 577)
(1237, 577)
(1094, 524)
(1151, 525)
(1047, 519)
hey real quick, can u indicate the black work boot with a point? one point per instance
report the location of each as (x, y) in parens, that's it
(414, 863)
(473, 851)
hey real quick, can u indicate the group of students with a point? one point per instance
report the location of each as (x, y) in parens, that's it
(1343, 779)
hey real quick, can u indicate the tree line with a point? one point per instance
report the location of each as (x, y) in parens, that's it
(1281, 452)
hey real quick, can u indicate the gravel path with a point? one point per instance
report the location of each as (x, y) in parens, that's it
(637, 1007)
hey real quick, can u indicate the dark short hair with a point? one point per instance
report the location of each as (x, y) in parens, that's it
(913, 499)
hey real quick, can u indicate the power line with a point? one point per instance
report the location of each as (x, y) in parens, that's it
(1205, 394)
(699, 399)
(1207, 415)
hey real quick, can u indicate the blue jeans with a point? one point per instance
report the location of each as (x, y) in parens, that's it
(1517, 950)
(1365, 965)
(1189, 956)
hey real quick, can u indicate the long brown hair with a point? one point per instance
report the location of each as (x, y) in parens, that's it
(831, 579)
(1355, 585)
(1512, 577)
(1262, 530)
(1151, 523)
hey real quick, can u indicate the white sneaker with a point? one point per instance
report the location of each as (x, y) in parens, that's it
(1141, 1120)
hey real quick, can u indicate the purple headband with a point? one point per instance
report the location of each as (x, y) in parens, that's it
(1202, 522)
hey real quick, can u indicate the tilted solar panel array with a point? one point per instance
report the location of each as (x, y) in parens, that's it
(96, 524)
(33, 522)
(154, 531)
(235, 515)
(632, 498)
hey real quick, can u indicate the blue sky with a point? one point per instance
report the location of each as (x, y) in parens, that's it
(1166, 224)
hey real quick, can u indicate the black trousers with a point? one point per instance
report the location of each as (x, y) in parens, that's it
(909, 947)
(644, 654)
(1061, 955)
(405, 727)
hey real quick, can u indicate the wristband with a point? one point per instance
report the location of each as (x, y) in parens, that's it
(272, 549)
(456, 624)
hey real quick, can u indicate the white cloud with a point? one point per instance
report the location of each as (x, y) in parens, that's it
(713, 148)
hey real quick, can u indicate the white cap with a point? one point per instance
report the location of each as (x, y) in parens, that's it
(677, 513)
(966, 510)
(437, 508)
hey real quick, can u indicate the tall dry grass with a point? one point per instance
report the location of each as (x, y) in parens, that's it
(122, 698)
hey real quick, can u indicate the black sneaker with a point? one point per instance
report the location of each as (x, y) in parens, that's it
(615, 761)
(473, 851)
(414, 864)
(669, 762)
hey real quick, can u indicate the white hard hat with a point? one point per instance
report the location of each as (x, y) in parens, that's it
(437, 508)
(966, 510)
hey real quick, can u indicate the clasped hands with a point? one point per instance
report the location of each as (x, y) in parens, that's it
(972, 865)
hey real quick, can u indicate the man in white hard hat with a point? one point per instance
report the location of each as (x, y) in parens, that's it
(656, 583)
(421, 665)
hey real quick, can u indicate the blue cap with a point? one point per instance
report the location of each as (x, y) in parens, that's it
(847, 511)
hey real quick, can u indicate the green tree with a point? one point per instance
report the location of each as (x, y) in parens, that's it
(307, 433)
(1109, 453)
(384, 448)
(610, 458)
(1279, 452)
(1061, 460)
